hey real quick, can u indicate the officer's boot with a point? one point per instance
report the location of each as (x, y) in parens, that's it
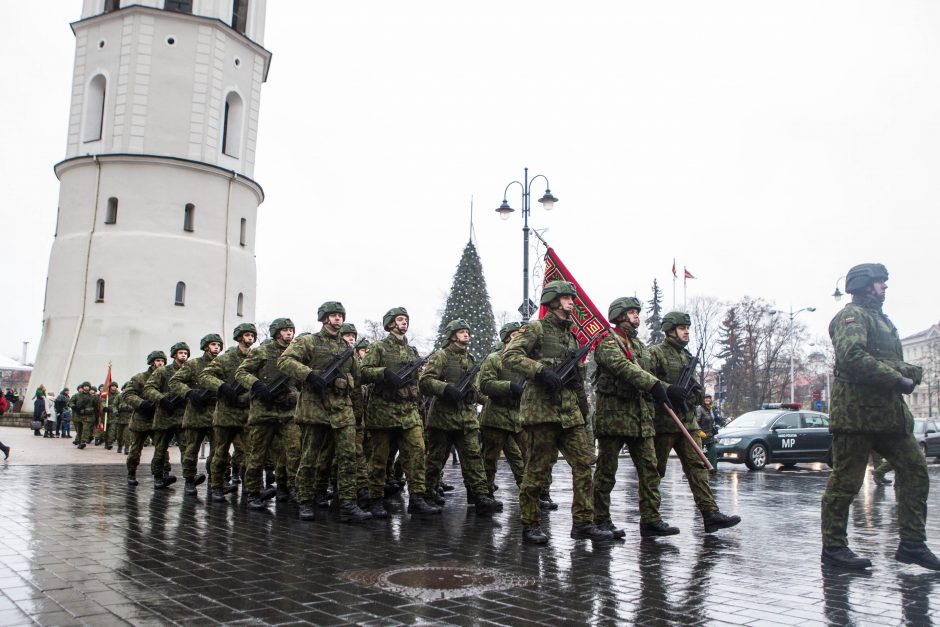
(499, 504)
(446, 487)
(81, 446)
(880, 479)
(916, 552)
(282, 493)
(158, 482)
(439, 500)
(321, 498)
(168, 479)
(546, 502)
(190, 489)
(589, 531)
(268, 493)
(533, 535)
(715, 520)
(362, 498)
(199, 479)
(485, 505)
(351, 513)
(844, 557)
(228, 488)
(307, 511)
(218, 495)
(132, 479)
(377, 509)
(652, 530)
(120, 449)
(420, 507)
(108, 446)
(391, 489)
(609, 526)
(256, 502)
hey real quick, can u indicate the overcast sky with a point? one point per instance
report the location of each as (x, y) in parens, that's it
(767, 146)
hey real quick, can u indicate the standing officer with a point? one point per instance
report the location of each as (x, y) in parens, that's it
(324, 411)
(141, 426)
(85, 407)
(869, 413)
(625, 418)
(167, 417)
(666, 362)
(553, 414)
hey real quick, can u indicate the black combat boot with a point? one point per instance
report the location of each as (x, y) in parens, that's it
(228, 488)
(132, 479)
(589, 531)
(391, 489)
(108, 446)
(437, 499)
(321, 498)
(282, 493)
(81, 446)
(609, 526)
(267, 494)
(199, 479)
(97, 441)
(546, 503)
(844, 557)
(417, 505)
(120, 449)
(485, 505)
(307, 511)
(499, 504)
(652, 530)
(533, 535)
(446, 487)
(362, 498)
(256, 502)
(916, 552)
(158, 482)
(168, 480)
(880, 479)
(377, 509)
(190, 489)
(349, 512)
(217, 495)
(715, 520)
(236, 478)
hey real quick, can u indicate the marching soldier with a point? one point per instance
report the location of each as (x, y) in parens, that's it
(141, 425)
(452, 418)
(85, 407)
(666, 362)
(110, 409)
(121, 418)
(553, 414)
(869, 414)
(167, 416)
(625, 418)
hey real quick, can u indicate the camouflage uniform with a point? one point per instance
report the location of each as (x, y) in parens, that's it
(197, 419)
(119, 415)
(141, 425)
(500, 423)
(231, 414)
(166, 424)
(85, 408)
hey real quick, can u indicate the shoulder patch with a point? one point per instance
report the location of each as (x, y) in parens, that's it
(848, 319)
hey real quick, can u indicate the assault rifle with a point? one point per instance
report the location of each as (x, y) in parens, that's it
(466, 382)
(330, 371)
(567, 370)
(687, 380)
(407, 372)
(171, 402)
(277, 389)
(202, 398)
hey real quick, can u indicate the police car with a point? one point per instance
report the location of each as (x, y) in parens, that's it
(778, 433)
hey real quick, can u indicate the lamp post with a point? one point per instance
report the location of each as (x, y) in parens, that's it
(527, 308)
(792, 314)
(837, 294)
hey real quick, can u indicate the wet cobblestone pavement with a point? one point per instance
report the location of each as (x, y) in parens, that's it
(78, 547)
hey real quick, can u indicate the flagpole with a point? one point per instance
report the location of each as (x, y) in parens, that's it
(673, 283)
(685, 286)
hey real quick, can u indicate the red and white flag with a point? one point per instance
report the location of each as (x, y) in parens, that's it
(688, 275)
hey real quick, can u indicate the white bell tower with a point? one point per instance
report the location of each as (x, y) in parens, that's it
(155, 233)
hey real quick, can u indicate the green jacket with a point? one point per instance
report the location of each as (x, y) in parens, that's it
(869, 366)
(228, 412)
(113, 410)
(501, 408)
(448, 366)
(388, 409)
(158, 386)
(261, 365)
(187, 379)
(544, 344)
(622, 386)
(334, 406)
(84, 405)
(133, 395)
(666, 363)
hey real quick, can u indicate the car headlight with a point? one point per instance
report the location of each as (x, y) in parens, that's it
(729, 441)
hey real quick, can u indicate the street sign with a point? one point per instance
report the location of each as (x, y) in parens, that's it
(527, 308)
(818, 405)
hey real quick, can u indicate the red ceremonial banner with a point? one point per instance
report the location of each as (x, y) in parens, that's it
(588, 323)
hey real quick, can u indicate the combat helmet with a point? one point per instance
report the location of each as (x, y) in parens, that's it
(244, 327)
(673, 319)
(155, 355)
(330, 306)
(863, 275)
(507, 330)
(554, 289)
(452, 327)
(84, 384)
(278, 324)
(622, 305)
(348, 327)
(361, 344)
(391, 314)
(212, 337)
(180, 346)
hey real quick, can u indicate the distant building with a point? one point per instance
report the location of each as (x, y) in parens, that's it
(14, 376)
(923, 349)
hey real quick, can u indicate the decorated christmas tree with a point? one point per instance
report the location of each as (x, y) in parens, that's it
(469, 300)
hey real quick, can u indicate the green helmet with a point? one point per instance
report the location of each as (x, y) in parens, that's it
(244, 327)
(212, 337)
(278, 324)
(85, 384)
(348, 327)
(673, 319)
(507, 329)
(155, 355)
(554, 289)
(180, 346)
(330, 306)
(622, 305)
(863, 275)
(452, 327)
(391, 314)
(361, 344)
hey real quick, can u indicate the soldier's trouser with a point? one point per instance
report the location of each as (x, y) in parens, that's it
(118, 432)
(262, 437)
(879, 465)
(344, 445)
(289, 459)
(849, 460)
(643, 454)
(410, 442)
(362, 465)
(137, 440)
(544, 442)
(223, 438)
(193, 438)
(78, 428)
(324, 461)
(161, 454)
(467, 443)
(693, 467)
(496, 441)
(88, 428)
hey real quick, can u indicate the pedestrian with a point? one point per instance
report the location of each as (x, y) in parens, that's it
(61, 403)
(66, 422)
(705, 416)
(49, 416)
(869, 414)
(39, 410)
(5, 449)
(4, 404)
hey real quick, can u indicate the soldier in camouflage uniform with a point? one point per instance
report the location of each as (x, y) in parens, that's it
(121, 418)
(85, 408)
(392, 416)
(666, 361)
(325, 411)
(869, 414)
(625, 418)
(141, 425)
(553, 414)
(452, 419)
(200, 407)
(167, 417)
(110, 409)
(271, 415)
(231, 409)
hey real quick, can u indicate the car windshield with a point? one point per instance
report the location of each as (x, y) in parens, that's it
(753, 419)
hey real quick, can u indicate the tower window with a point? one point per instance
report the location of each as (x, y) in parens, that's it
(240, 15)
(180, 6)
(111, 5)
(99, 291)
(180, 294)
(94, 108)
(189, 217)
(232, 124)
(110, 216)
(243, 232)
(240, 305)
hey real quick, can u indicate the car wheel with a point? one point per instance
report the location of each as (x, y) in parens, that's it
(756, 457)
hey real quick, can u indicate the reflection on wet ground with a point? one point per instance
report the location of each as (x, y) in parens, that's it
(76, 546)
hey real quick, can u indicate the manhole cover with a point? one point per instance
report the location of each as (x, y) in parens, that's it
(440, 580)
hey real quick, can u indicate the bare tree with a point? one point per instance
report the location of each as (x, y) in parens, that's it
(707, 313)
(263, 330)
(373, 330)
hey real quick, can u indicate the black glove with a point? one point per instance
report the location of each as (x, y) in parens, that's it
(547, 377)
(147, 408)
(906, 385)
(676, 394)
(517, 387)
(315, 381)
(229, 390)
(167, 403)
(193, 396)
(391, 379)
(452, 394)
(658, 392)
(261, 392)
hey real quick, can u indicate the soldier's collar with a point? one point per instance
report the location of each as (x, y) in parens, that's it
(867, 302)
